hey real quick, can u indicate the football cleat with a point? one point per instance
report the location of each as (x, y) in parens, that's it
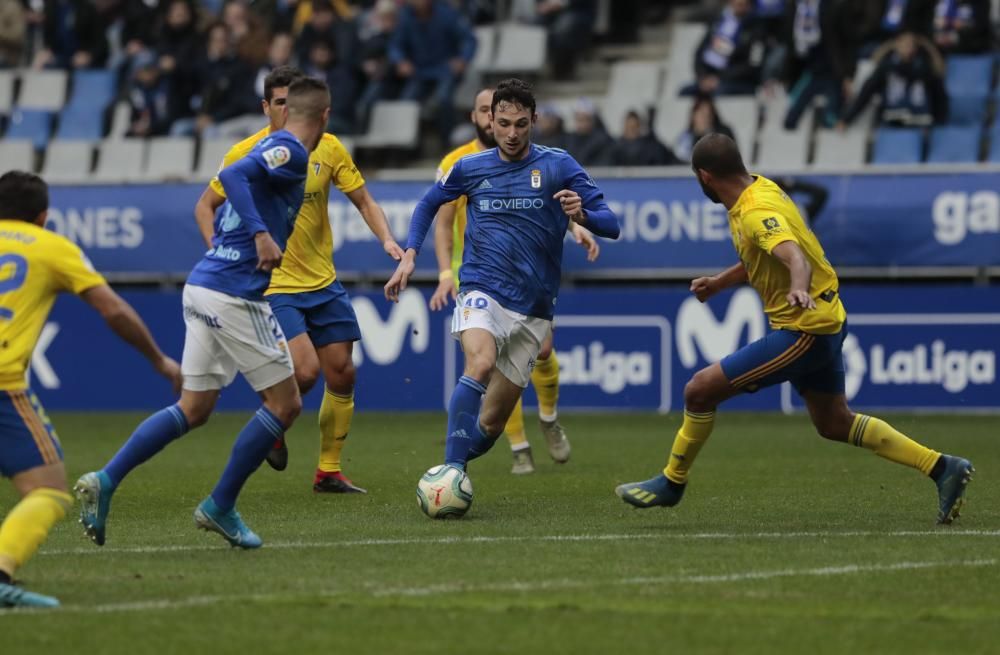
(556, 439)
(277, 457)
(229, 524)
(655, 492)
(11, 596)
(335, 483)
(94, 491)
(951, 485)
(524, 463)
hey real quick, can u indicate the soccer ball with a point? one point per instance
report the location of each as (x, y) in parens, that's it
(444, 492)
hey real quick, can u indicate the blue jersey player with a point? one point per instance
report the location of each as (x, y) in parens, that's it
(230, 326)
(521, 198)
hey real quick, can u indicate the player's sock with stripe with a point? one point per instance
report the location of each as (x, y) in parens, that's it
(152, 436)
(885, 441)
(545, 378)
(463, 421)
(249, 451)
(515, 429)
(335, 416)
(28, 524)
(694, 432)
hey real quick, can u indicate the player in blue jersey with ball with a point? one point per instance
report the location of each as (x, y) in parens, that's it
(521, 198)
(230, 326)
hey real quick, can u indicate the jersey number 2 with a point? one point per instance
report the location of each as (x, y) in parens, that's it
(13, 280)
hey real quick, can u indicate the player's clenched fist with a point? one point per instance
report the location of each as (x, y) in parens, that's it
(572, 205)
(268, 252)
(401, 277)
(704, 288)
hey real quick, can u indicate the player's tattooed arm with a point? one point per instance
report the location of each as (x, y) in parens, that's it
(789, 254)
(704, 288)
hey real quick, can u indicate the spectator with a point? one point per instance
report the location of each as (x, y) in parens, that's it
(279, 53)
(962, 27)
(139, 19)
(247, 31)
(589, 143)
(570, 24)
(380, 80)
(728, 60)
(549, 131)
(430, 50)
(704, 119)
(325, 25)
(820, 59)
(322, 64)
(639, 147)
(149, 96)
(13, 33)
(884, 20)
(73, 36)
(908, 77)
(178, 48)
(342, 10)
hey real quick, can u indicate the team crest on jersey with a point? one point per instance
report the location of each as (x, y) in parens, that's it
(276, 157)
(316, 168)
(536, 179)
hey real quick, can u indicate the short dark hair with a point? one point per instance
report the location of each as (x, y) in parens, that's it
(308, 97)
(280, 77)
(719, 155)
(23, 196)
(515, 91)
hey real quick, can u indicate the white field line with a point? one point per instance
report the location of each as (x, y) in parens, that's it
(411, 541)
(514, 586)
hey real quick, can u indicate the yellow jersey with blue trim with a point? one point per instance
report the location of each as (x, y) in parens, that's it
(458, 227)
(763, 217)
(307, 264)
(35, 266)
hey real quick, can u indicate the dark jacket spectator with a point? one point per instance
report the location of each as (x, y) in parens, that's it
(589, 143)
(74, 35)
(704, 119)
(322, 64)
(908, 78)
(325, 25)
(139, 20)
(378, 77)
(729, 58)
(549, 130)
(640, 148)
(248, 32)
(886, 19)
(149, 96)
(178, 47)
(961, 26)
(13, 32)
(279, 53)
(570, 24)
(225, 81)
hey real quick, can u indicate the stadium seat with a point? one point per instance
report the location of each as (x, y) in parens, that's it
(954, 144)
(210, 156)
(968, 74)
(169, 159)
(672, 114)
(684, 41)
(120, 160)
(520, 49)
(81, 122)
(782, 150)
(394, 124)
(121, 120)
(894, 145)
(486, 45)
(68, 162)
(42, 90)
(836, 150)
(6, 92)
(17, 153)
(633, 85)
(92, 88)
(740, 113)
(993, 153)
(35, 126)
(967, 108)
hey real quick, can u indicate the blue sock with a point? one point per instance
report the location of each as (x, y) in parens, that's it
(249, 451)
(149, 438)
(463, 421)
(481, 443)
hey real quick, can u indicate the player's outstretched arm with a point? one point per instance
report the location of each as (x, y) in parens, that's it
(204, 213)
(585, 240)
(125, 322)
(789, 254)
(375, 218)
(704, 288)
(444, 244)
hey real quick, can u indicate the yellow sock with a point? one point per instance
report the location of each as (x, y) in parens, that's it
(694, 432)
(545, 377)
(515, 428)
(28, 524)
(885, 441)
(335, 416)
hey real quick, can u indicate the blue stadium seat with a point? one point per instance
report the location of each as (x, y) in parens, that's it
(969, 75)
(967, 108)
(35, 126)
(993, 155)
(92, 88)
(895, 145)
(954, 144)
(81, 123)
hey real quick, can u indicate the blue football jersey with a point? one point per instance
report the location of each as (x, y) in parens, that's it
(264, 192)
(515, 228)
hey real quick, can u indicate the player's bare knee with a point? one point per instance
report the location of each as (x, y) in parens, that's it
(197, 412)
(340, 379)
(306, 377)
(479, 368)
(491, 424)
(287, 410)
(698, 396)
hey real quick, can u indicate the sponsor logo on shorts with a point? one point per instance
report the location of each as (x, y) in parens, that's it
(190, 313)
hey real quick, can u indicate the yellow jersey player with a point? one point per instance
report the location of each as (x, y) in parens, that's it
(35, 266)
(784, 262)
(449, 238)
(309, 302)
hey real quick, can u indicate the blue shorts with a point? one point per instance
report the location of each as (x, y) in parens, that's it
(811, 362)
(27, 439)
(325, 314)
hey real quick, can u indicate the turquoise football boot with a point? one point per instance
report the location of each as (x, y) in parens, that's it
(229, 524)
(11, 596)
(94, 491)
(655, 492)
(951, 485)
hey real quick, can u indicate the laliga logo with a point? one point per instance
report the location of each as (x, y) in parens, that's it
(610, 370)
(855, 366)
(699, 331)
(384, 339)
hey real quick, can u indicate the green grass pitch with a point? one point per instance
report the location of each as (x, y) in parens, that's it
(784, 544)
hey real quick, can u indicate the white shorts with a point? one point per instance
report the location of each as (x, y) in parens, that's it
(518, 337)
(226, 334)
